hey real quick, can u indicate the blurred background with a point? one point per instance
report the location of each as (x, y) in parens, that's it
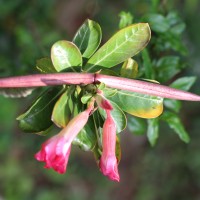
(170, 170)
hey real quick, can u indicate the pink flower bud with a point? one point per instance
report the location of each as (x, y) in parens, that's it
(55, 151)
(102, 101)
(108, 162)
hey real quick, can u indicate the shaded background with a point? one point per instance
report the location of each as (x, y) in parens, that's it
(170, 170)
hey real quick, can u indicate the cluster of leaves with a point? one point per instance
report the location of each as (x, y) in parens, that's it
(57, 105)
(162, 61)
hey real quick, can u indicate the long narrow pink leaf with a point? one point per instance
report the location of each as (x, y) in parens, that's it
(38, 80)
(146, 88)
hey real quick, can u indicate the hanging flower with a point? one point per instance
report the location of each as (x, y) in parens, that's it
(55, 151)
(108, 161)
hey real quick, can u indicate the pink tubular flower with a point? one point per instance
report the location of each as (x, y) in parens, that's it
(55, 151)
(108, 162)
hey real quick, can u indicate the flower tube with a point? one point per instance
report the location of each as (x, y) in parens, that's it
(55, 151)
(108, 161)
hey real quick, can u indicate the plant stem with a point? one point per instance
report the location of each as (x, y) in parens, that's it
(38, 80)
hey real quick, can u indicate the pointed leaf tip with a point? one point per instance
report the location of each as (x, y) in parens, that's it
(88, 37)
(124, 44)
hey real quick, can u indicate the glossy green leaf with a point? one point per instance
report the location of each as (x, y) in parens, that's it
(109, 72)
(97, 153)
(118, 116)
(65, 54)
(173, 105)
(158, 23)
(38, 116)
(109, 92)
(124, 44)
(176, 23)
(129, 69)
(101, 86)
(175, 123)
(126, 19)
(86, 98)
(45, 65)
(88, 38)
(168, 66)
(45, 132)
(86, 139)
(184, 83)
(153, 130)
(136, 125)
(140, 105)
(118, 151)
(63, 108)
(148, 68)
(169, 41)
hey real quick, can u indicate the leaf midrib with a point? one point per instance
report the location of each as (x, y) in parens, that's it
(112, 50)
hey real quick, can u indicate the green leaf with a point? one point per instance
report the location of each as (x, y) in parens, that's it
(65, 54)
(175, 124)
(63, 108)
(109, 72)
(86, 139)
(153, 130)
(168, 41)
(109, 92)
(184, 83)
(167, 66)
(118, 116)
(16, 92)
(101, 86)
(172, 104)
(88, 38)
(97, 153)
(45, 132)
(45, 65)
(86, 98)
(37, 118)
(124, 44)
(140, 105)
(129, 69)
(149, 72)
(136, 125)
(158, 23)
(118, 151)
(176, 23)
(126, 19)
